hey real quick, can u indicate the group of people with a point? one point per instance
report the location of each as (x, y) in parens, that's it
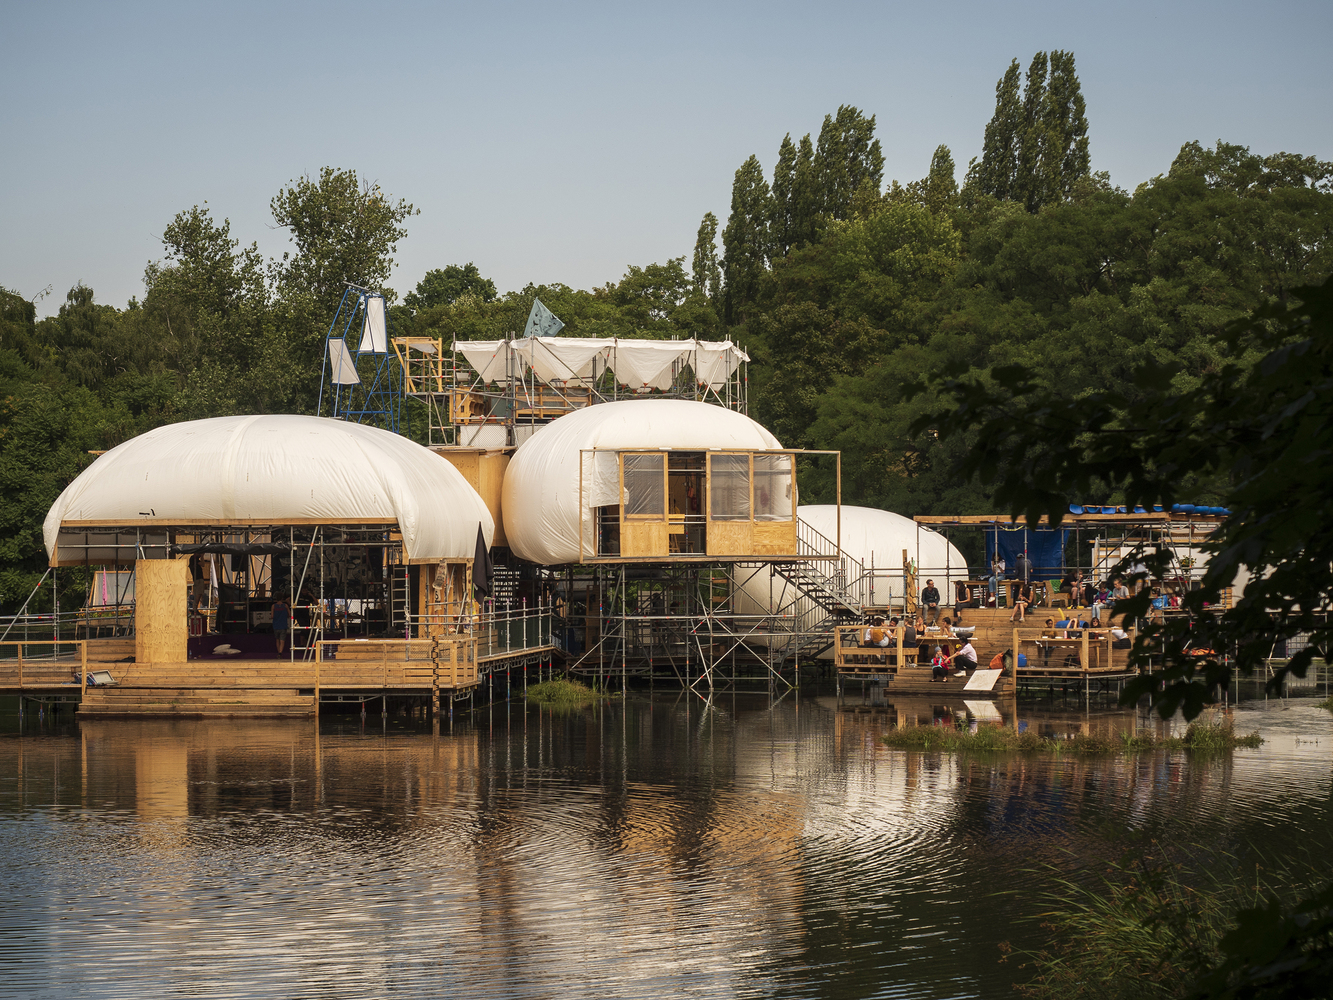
(942, 657)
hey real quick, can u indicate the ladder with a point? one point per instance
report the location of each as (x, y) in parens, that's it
(400, 601)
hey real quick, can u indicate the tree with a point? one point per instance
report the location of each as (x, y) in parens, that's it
(444, 287)
(344, 231)
(1036, 146)
(706, 271)
(784, 177)
(939, 189)
(745, 241)
(997, 173)
(848, 160)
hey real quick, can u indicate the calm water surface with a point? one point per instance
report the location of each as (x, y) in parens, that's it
(661, 847)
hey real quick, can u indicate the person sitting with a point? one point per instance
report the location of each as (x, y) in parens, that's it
(1120, 638)
(1071, 587)
(966, 657)
(1119, 592)
(910, 634)
(939, 665)
(1022, 601)
(996, 576)
(876, 634)
(930, 602)
(1049, 632)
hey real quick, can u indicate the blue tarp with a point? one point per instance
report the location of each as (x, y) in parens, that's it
(1045, 548)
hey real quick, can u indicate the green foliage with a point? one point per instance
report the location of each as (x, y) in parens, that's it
(1258, 423)
(447, 286)
(1139, 931)
(745, 241)
(344, 231)
(706, 271)
(1200, 737)
(565, 693)
(1036, 146)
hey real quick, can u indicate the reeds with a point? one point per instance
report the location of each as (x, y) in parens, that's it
(564, 693)
(990, 738)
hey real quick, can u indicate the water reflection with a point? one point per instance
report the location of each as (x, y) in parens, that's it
(659, 847)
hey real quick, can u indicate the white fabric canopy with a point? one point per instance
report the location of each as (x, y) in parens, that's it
(541, 503)
(374, 334)
(879, 536)
(342, 369)
(275, 469)
(874, 538)
(637, 362)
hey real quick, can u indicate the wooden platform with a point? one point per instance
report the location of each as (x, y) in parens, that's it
(234, 686)
(993, 633)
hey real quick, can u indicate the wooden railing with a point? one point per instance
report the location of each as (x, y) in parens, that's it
(43, 663)
(444, 662)
(1092, 650)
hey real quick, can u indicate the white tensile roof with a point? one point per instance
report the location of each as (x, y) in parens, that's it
(580, 360)
(541, 503)
(874, 538)
(275, 469)
(879, 536)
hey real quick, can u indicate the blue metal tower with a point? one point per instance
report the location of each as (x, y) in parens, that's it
(366, 384)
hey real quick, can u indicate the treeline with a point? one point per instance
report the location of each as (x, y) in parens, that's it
(843, 288)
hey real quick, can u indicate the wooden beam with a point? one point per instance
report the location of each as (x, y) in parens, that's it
(1152, 518)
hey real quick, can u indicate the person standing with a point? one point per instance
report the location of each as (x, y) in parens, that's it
(996, 575)
(930, 601)
(282, 623)
(1022, 575)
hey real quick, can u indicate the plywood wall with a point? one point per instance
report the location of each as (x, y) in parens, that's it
(161, 592)
(485, 471)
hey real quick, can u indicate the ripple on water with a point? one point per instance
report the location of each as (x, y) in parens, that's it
(641, 851)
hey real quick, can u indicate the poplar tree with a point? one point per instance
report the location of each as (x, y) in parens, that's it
(1036, 146)
(707, 273)
(806, 203)
(998, 168)
(939, 189)
(745, 241)
(847, 158)
(784, 177)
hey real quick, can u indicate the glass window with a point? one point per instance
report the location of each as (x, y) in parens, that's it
(645, 486)
(729, 488)
(773, 488)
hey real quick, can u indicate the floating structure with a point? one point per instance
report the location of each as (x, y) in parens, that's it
(359, 540)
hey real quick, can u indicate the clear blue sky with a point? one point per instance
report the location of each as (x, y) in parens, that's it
(564, 141)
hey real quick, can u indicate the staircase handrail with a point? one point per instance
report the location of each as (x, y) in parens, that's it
(849, 575)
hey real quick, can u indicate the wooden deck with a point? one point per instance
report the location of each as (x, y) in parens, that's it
(237, 687)
(1083, 658)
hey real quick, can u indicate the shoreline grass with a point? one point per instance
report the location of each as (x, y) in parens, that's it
(1326, 703)
(564, 693)
(990, 738)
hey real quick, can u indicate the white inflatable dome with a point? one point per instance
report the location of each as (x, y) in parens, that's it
(878, 537)
(541, 504)
(275, 469)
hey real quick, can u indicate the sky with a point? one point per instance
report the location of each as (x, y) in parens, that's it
(564, 142)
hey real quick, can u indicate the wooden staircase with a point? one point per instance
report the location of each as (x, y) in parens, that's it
(199, 689)
(196, 703)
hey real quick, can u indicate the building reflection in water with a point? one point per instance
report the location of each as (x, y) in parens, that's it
(739, 847)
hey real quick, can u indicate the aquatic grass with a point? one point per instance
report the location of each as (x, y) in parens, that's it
(1138, 931)
(990, 738)
(1196, 925)
(1326, 703)
(564, 693)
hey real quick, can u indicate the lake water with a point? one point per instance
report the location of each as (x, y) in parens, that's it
(660, 847)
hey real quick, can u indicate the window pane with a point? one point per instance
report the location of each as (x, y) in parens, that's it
(773, 488)
(645, 486)
(729, 489)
